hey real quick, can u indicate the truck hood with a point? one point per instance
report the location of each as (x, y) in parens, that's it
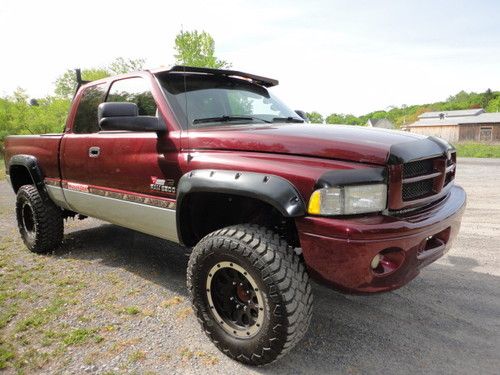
(341, 142)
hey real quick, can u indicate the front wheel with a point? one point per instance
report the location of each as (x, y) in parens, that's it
(40, 221)
(250, 292)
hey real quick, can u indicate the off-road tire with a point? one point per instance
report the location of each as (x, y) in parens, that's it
(47, 226)
(283, 280)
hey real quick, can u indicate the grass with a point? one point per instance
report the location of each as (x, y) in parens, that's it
(187, 354)
(137, 356)
(50, 336)
(171, 302)
(81, 336)
(478, 150)
(7, 314)
(32, 360)
(131, 310)
(184, 313)
(6, 355)
(48, 322)
(41, 316)
(32, 299)
(120, 346)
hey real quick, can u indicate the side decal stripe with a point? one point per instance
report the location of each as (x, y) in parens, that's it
(156, 202)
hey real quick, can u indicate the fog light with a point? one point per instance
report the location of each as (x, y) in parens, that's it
(387, 261)
(375, 261)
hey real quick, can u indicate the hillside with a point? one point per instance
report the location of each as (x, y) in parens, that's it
(489, 100)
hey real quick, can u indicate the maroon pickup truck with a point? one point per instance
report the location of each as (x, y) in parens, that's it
(211, 159)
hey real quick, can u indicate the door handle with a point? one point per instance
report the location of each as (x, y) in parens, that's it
(94, 152)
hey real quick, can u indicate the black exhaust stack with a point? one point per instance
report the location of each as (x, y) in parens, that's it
(79, 80)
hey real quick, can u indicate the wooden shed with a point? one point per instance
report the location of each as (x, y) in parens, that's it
(456, 126)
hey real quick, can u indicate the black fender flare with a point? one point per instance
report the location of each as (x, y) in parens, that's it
(30, 163)
(274, 190)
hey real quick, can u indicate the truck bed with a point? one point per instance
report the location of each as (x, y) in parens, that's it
(44, 147)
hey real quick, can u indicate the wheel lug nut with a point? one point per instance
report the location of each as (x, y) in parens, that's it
(234, 282)
(231, 298)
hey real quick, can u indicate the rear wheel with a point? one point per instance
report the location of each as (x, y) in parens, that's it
(251, 293)
(40, 221)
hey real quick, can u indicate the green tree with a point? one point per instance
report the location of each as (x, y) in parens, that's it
(315, 117)
(49, 116)
(487, 97)
(66, 83)
(494, 105)
(336, 118)
(17, 116)
(122, 66)
(462, 100)
(18, 110)
(197, 49)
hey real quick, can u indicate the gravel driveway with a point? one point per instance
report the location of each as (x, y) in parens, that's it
(114, 301)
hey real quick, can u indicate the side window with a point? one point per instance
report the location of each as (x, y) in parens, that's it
(86, 114)
(133, 90)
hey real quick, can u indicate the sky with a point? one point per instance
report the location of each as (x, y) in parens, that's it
(329, 56)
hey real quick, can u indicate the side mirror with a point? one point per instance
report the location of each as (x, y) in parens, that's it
(302, 114)
(125, 116)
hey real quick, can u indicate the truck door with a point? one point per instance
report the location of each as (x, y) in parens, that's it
(74, 152)
(135, 173)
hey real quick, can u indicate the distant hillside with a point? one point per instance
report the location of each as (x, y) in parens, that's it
(489, 100)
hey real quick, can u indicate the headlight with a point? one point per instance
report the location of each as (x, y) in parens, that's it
(348, 200)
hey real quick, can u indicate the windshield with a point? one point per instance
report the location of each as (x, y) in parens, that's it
(217, 100)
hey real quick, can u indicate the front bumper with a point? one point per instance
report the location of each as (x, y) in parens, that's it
(338, 252)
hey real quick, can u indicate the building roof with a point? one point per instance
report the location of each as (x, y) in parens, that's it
(458, 113)
(380, 123)
(481, 118)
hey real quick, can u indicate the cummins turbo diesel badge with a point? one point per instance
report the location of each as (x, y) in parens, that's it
(160, 184)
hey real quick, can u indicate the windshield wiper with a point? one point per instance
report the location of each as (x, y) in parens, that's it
(288, 119)
(227, 118)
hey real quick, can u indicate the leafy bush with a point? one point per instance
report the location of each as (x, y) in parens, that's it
(17, 116)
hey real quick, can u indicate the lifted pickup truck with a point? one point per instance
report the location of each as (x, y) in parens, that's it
(211, 159)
